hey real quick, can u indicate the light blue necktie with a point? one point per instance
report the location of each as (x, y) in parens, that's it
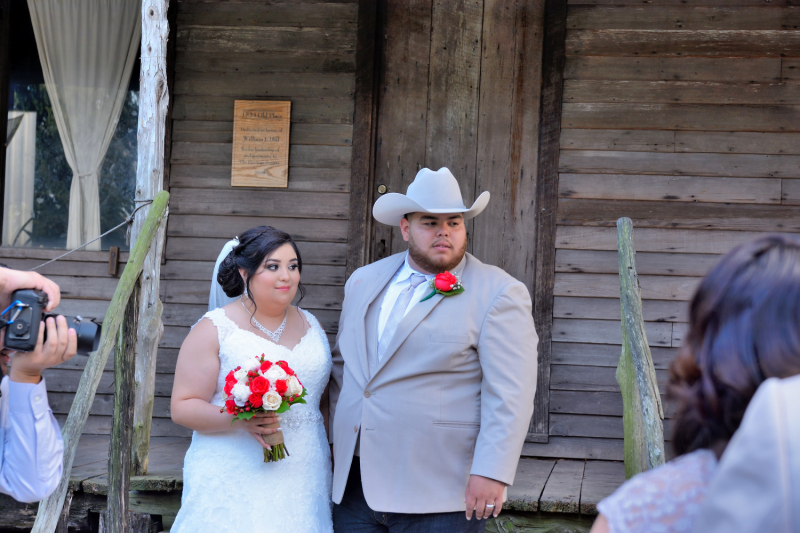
(398, 312)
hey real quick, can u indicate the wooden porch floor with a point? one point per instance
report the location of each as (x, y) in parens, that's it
(546, 485)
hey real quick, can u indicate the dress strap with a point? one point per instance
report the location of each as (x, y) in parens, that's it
(225, 326)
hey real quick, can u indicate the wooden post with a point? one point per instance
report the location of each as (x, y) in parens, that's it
(119, 472)
(153, 102)
(642, 412)
(50, 508)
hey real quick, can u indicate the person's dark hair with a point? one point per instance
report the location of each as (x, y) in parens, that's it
(255, 245)
(744, 328)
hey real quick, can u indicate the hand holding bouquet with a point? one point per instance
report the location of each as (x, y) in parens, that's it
(261, 386)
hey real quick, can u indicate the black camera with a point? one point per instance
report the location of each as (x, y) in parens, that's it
(25, 314)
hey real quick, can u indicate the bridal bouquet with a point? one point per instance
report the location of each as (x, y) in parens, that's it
(261, 386)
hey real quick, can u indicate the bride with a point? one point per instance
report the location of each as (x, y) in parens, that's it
(226, 485)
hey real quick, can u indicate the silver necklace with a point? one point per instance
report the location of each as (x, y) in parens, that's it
(276, 335)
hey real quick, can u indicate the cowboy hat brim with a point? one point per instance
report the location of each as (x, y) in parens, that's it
(390, 208)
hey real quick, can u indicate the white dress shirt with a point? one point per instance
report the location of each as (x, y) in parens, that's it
(31, 447)
(400, 281)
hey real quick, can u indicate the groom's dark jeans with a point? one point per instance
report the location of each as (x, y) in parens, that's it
(353, 515)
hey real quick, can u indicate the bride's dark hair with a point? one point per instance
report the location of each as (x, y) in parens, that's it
(255, 245)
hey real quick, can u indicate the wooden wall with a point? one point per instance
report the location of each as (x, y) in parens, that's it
(299, 51)
(685, 117)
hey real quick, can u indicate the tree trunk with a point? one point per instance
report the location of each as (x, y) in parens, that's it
(642, 412)
(153, 102)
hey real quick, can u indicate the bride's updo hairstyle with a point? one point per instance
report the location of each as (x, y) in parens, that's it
(255, 245)
(744, 328)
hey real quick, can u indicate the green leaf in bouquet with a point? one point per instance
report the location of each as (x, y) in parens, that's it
(283, 408)
(246, 415)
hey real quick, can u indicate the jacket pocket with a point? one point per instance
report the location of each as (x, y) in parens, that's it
(457, 339)
(456, 424)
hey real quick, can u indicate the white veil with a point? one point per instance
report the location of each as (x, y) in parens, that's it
(217, 297)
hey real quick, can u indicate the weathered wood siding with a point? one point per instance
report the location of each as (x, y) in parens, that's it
(685, 119)
(302, 52)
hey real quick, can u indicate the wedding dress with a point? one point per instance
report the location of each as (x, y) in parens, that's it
(227, 487)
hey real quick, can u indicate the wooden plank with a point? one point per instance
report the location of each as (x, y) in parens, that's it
(690, 164)
(550, 123)
(362, 163)
(598, 403)
(66, 380)
(239, 85)
(507, 160)
(221, 131)
(608, 309)
(791, 192)
(679, 332)
(264, 39)
(268, 15)
(327, 157)
(584, 354)
(681, 18)
(686, 216)
(600, 479)
(723, 69)
(43, 254)
(304, 110)
(85, 287)
(700, 117)
(606, 331)
(592, 378)
(607, 286)
(670, 188)
(685, 92)
(654, 240)
(529, 482)
(261, 62)
(618, 140)
(267, 202)
(103, 404)
(402, 108)
(301, 229)
(706, 3)
(62, 268)
(562, 493)
(576, 448)
(660, 264)
(603, 427)
(790, 69)
(698, 43)
(453, 96)
(200, 249)
(741, 142)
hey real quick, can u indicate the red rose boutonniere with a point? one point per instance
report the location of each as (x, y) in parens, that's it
(446, 284)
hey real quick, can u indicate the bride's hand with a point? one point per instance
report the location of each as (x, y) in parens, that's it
(260, 424)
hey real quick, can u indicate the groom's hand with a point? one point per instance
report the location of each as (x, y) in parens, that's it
(482, 491)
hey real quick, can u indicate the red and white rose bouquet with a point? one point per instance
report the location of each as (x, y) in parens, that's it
(261, 386)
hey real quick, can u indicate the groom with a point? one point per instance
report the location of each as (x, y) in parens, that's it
(430, 398)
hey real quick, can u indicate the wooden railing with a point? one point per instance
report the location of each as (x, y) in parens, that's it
(119, 330)
(643, 414)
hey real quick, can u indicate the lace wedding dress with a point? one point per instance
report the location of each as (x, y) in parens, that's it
(227, 487)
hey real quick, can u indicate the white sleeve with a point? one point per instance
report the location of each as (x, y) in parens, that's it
(31, 450)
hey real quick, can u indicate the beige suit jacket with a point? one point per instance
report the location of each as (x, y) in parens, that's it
(452, 396)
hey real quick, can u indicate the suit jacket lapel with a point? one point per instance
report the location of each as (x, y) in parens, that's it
(371, 293)
(413, 319)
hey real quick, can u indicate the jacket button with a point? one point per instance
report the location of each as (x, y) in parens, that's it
(355, 429)
(366, 394)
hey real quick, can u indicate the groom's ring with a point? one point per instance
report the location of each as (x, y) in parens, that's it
(490, 505)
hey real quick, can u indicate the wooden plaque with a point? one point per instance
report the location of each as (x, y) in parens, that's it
(260, 143)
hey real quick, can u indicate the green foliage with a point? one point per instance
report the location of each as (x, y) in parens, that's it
(53, 176)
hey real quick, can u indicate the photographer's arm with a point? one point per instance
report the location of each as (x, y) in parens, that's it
(32, 449)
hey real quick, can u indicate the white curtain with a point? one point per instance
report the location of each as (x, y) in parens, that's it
(87, 49)
(20, 173)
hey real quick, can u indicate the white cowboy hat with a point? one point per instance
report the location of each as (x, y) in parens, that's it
(430, 192)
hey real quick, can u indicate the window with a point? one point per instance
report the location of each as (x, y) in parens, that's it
(96, 118)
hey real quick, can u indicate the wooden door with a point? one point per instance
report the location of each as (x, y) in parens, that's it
(458, 87)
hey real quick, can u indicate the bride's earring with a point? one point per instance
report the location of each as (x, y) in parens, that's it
(245, 292)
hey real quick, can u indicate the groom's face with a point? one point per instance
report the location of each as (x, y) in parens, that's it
(436, 242)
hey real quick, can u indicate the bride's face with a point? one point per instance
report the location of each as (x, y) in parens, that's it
(276, 280)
